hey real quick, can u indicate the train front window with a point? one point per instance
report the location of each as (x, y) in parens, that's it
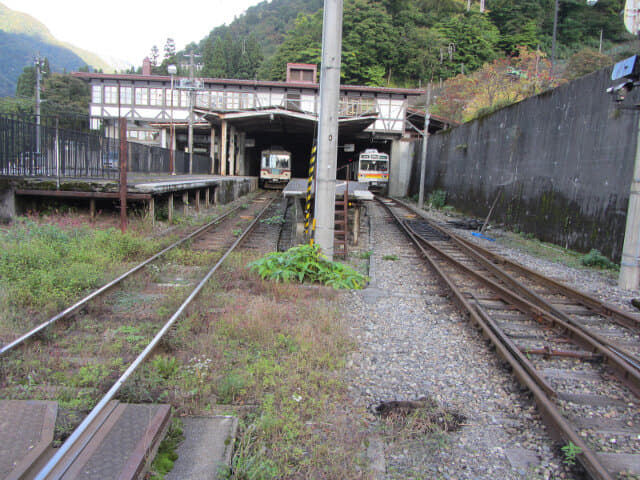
(275, 161)
(373, 166)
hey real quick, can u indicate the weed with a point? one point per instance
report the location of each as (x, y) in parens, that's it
(366, 255)
(231, 385)
(47, 266)
(595, 259)
(437, 198)
(237, 232)
(570, 451)
(166, 366)
(275, 220)
(166, 456)
(393, 258)
(305, 263)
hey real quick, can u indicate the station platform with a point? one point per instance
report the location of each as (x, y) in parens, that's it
(297, 188)
(296, 192)
(190, 191)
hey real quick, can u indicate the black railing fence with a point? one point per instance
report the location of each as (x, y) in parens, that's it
(28, 149)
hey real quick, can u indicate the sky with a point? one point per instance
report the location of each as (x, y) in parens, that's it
(127, 29)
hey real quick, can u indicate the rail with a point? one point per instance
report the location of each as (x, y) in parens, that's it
(530, 305)
(55, 461)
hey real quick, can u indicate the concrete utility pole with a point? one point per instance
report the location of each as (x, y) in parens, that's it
(38, 62)
(325, 201)
(553, 39)
(629, 278)
(192, 89)
(425, 139)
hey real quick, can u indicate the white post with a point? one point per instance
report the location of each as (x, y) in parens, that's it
(328, 128)
(629, 277)
(425, 139)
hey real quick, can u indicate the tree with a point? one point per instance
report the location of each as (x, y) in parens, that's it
(519, 23)
(250, 58)
(496, 85)
(585, 61)
(26, 86)
(474, 40)
(154, 56)
(303, 44)
(169, 49)
(68, 98)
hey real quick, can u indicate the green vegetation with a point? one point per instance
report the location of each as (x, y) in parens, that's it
(404, 43)
(306, 264)
(22, 36)
(595, 259)
(437, 199)
(46, 266)
(392, 258)
(166, 456)
(570, 451)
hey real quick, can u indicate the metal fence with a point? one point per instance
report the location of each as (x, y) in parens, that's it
(28, 149)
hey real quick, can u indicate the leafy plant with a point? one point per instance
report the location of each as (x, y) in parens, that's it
(166, 366)
(393, 258)
(437, 198)
(275, 220)
(366, 255)
(306, 263)
(570, 452)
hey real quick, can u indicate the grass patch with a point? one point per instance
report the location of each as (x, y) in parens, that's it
(528, 244)
(392, 258)
(167, 455)
(46, 267)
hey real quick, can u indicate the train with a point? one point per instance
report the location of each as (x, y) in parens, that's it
(373, 168)
(275, 168)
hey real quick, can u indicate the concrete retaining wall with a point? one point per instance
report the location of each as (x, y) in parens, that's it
(560, 164)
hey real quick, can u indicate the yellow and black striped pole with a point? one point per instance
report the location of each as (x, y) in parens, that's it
(307, 208)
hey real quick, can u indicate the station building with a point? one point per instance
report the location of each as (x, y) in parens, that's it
(233, 120)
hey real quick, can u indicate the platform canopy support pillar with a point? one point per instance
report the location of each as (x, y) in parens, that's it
(223, 148)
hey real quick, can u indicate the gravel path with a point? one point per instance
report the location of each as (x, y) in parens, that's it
(412, 344)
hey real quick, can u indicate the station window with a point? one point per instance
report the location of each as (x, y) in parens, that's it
(156, 96)
(96, 94)
(125, 95)
(111, 94)
(175, 94)
(184, 98)
(142, 96)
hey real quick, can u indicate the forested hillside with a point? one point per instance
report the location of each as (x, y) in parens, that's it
(406, 42)
(22, 37)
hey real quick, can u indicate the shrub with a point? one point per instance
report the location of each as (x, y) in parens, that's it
(437, 198)
(595, 259)
(305, 263)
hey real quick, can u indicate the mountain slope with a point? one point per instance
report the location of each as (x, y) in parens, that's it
(22, 37)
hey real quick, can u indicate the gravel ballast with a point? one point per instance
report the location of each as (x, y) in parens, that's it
(412, 342)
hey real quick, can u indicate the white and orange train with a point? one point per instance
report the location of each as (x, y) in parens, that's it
(373, 168)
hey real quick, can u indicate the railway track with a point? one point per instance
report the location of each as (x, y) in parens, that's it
(122, 323)
(576, 355)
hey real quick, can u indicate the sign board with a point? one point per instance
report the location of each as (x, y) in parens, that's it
(188, 84)
(632, 16)
(349, 147)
